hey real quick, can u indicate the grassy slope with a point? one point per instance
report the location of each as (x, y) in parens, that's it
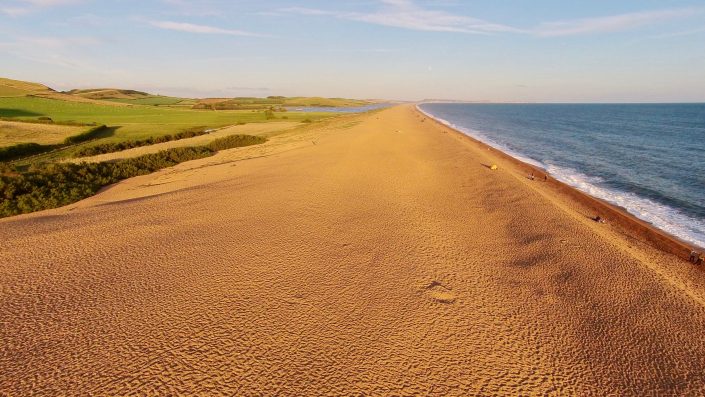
(316, 101)
(261, 103)
(134, 121)
(12, 133)
(109, 93)
(152, 100)
(16, 88)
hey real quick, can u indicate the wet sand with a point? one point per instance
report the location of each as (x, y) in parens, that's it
(372, 254)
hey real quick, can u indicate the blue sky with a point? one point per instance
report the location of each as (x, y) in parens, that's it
(520, 50)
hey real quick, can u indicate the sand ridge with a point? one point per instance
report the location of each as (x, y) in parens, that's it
(368, 255)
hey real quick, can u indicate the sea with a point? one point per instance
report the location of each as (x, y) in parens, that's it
(646, 158)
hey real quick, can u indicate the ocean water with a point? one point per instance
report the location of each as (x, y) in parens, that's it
(646, 158)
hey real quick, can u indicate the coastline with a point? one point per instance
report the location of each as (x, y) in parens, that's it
(629, 224)
(371, 254)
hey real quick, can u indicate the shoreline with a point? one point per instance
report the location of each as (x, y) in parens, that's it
(629, 224)
(355, 255)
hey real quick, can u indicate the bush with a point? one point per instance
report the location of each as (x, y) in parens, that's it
(55, 185)
(234, 141)
(124, 145)
(85, 136)
(22, 150)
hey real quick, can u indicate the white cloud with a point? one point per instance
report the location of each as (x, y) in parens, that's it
(201, 29)
(408, 15)
(18, 8)
(680, 33)
(50, 3)
(56, 51)
(193, 8)
(613, 23)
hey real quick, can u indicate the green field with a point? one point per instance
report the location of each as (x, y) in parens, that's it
(40, 128)
(136, 122)
(275, 102)
(156, 101)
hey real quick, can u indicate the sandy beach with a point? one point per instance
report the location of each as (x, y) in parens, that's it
(373, 254)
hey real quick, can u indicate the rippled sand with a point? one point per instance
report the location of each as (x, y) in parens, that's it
(368, 255)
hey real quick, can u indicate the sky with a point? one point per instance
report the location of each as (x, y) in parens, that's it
(501, 51)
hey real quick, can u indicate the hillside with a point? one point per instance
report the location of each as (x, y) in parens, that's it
(109, 93)
(121, 97)
(10, 88)
(274, 101)
(17, 88)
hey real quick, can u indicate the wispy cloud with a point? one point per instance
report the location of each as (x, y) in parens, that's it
(405, 14)
(18, 8)
(193, 8)
(201, 29)
(55, 51)
(408, 15)
(680, 33)
(613, 23)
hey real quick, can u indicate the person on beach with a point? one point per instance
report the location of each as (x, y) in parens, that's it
(693, 256)
(701, 259)
(598, 219)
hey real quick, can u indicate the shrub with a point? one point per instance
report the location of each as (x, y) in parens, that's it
(124, 145)
(22, 150)
(54, 185)
(234, 141)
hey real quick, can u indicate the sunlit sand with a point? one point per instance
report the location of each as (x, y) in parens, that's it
(373, 254)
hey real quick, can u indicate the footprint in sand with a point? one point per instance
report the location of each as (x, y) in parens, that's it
(440, 293)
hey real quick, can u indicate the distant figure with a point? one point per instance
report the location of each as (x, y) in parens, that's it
(693, 256)
(598, 219)
(531, 176)
(545, 178)
(701, 259)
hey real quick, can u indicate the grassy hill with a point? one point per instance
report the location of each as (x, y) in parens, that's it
(16, 88)
(109, 93)
(134, 122)
(131, 115)
(40, 128)
(274, 101)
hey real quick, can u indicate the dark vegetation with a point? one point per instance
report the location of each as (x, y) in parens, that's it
(92, 133)
(124, 145)
(20, 150)
(46, 120)
(56, 184)
(23, 150)
(233, 141)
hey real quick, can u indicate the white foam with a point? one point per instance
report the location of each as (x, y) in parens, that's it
(484, 139)
(661, 216)
(668, 219)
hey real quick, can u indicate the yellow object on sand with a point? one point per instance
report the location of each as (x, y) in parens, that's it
(493, 167)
